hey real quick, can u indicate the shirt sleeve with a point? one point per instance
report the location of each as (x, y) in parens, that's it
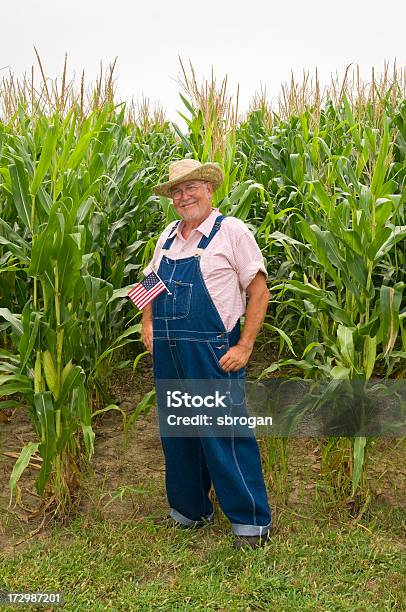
(248, 259)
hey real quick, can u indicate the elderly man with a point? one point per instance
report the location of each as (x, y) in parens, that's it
(208, 263)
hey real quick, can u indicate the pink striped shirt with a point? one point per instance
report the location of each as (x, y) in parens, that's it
(228, 264)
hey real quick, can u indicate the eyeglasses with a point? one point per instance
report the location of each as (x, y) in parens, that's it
(178, 193)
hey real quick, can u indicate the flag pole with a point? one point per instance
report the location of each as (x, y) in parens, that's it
(156, 273)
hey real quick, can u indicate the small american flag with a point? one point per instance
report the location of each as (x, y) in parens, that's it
(143, 293)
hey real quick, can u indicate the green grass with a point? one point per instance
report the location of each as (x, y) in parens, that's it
(136, 565)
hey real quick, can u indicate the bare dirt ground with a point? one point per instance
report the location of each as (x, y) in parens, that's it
(126, 478)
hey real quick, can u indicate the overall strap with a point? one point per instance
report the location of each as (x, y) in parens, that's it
(205, 240)
(168, 242)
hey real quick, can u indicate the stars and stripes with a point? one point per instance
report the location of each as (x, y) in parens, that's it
(143, 293)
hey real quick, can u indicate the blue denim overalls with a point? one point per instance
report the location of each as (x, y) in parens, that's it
(189, 340)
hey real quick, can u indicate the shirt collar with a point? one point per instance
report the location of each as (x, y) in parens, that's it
(205, 227)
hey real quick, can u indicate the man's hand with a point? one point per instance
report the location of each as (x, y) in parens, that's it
(258, 297)
(236, 358)
(146, 327)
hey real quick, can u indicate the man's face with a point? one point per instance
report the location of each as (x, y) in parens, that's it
(192, 199)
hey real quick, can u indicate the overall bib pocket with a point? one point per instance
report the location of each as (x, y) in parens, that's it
(175, 305)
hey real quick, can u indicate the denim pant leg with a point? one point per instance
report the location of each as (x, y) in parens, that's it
(234, 461)
(187, 478)
(235, 468)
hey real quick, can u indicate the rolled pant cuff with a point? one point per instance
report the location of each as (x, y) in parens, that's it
(183, 520)
(250, 530)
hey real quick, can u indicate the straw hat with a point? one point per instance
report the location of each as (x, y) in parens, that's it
(190, 170)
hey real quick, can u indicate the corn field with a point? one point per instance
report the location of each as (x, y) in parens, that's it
(320, 178)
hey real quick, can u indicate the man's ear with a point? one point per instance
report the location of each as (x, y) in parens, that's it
(209, 187)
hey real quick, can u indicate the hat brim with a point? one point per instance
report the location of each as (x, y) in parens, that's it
(206, 172)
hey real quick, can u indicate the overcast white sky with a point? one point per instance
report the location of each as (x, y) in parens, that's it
(253, 41)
